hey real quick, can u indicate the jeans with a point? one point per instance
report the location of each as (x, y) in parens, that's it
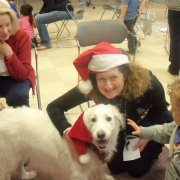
(15, 92)
(174, 27)
(48, 18)
(131, 40)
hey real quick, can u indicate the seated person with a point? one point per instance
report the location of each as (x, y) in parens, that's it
(109, 78)
(17, 75)
(51, 11)
(27, 22)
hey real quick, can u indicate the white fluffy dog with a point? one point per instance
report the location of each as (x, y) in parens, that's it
(29, 133)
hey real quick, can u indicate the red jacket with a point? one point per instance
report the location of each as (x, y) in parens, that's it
(19, 65)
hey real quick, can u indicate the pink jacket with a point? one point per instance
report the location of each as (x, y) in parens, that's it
(25, 24)
(19, 65)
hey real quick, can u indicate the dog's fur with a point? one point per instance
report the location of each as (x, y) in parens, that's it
(29, 133)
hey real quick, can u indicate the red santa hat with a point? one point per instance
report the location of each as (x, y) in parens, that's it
(101, 58)
(81, 136)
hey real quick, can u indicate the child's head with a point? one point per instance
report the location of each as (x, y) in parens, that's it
(26, 10)
(174, 92)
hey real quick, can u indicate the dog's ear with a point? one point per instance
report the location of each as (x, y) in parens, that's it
(87, 117)
(119, 116)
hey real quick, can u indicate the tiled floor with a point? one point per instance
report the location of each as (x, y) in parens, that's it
(57, 74)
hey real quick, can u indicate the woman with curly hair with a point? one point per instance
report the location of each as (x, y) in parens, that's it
(109, 78)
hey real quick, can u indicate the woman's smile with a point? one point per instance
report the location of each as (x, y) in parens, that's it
(110, 83)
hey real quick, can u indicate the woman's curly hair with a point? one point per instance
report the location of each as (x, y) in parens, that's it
(174, 88)
(136, 81)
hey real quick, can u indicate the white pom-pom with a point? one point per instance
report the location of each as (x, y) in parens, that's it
(84, 159)
(85, 86)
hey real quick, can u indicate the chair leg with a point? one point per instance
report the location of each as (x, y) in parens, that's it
(102, 14)
(114, 14)
(38, 93)
(167, 41)
(138, 24)
(60, 38)
(37, 78)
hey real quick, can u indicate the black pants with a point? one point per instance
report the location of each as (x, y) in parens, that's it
(174, 27)
(15, 92)
(138, 167)
(131, 40)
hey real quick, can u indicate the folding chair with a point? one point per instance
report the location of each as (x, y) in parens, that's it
(108, 7)
(37, 78)
(167, 40)
(93, 32)
(76, 17)
(147, 7)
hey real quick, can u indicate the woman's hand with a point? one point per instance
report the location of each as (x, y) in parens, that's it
(6, 50)
(36, 16)
(74, 153)
(141, 144)
(1, 106)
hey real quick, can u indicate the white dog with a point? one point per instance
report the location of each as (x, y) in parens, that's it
(29, 133)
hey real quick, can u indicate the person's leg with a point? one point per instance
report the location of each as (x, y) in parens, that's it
(48, 18)
(174, 27)
(131, 40)
(138, 167)
(141, 166)
(35, 13)
(15, 92)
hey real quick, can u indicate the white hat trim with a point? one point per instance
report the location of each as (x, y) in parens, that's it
(85, 86)
(105, 62)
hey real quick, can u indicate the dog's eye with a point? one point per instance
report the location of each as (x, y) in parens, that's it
(108, 118)
(93, 119)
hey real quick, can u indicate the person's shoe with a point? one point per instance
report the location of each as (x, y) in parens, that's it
(41, 47)
(139, 44)
(172, 74)
(130, 52)
(39, 41)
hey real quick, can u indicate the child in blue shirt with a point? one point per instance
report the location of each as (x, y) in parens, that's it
(129, 14)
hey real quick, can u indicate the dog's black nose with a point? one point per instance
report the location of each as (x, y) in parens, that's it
(101, 135)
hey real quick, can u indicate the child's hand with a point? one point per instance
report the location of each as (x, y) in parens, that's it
(141, 144)
(135, 127)
(34, 25)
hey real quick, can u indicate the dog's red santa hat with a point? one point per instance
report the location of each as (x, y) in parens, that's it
(101, 58)
(81, 136)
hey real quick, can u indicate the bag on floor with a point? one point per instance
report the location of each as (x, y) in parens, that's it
(147, 26)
